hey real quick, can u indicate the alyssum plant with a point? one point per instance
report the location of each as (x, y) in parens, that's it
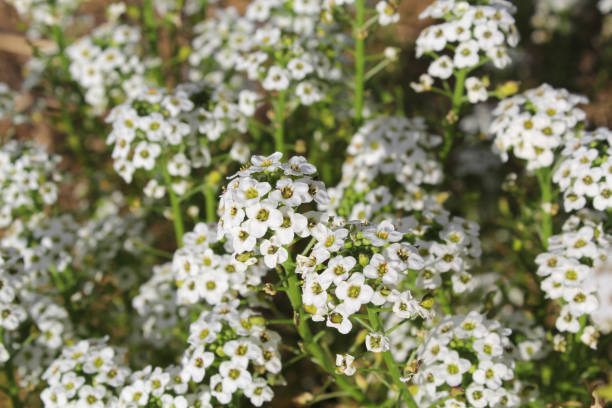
(325, 250)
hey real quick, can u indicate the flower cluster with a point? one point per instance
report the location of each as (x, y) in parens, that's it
(536, 124)
(362, 264)
(220, 41)
(286, 48)
(231, 351)
(586, 172)
(89, 374)
(569, 265)
(473, 34)
(204, 271)
(387, 156)
(107, 64)
(28, 180)
(469, 352)
(149, 127)
(156, 304)
(259, 208)
(42, 15)
(55, 328)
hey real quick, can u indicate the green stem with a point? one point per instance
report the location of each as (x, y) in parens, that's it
(152, 250)
(151, 31)
(279, 110)
(177, 217)
(391, 364)
(211, 203)
(311, 346)
(360, 34)
(456, 101)
(376, 69)
(544, 180)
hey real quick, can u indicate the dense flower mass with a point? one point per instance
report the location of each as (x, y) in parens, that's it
(470, 352)
(386, 147)
(106, 64)
(260, 207)
(536, 124)
(271, 203)
(586, 172)
(470, 36)
(28, 180)
(569, 268)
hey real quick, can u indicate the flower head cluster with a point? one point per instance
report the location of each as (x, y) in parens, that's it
(23, 311)
(387, 156)
(11, 283)
(220, 40)
(285, 47)
(28, 180)
(586, 172)
(529, 337)
(45, 315)
(536, 124)
(449, 246)
(43, 15)
(262, 207)
(472, 34)
(152, 129)
(89, 374)
(204, 271)
(470, 352)
(107, 64)
(51, 244)
(101, 240)
(231, 351)
(360, 264)
(569, 265)
(156, 304)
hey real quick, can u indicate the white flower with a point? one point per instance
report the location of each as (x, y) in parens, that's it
(235, 374)
(339, 319)
(221, 388)
(441, 68)
(330, 240)
(145, 155)
(195, 362)
(381, 268)
(262, 215)
(491, 374)
(247, 101)
(354, 292)
(387, 14)
(258, 392)
(477, 92)
(299, 68)
(273, 251)
(382, 233)
(453, 368)
(277, 79)
(466, 54)
(338, 269)
(345, 364)
(377, 342)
